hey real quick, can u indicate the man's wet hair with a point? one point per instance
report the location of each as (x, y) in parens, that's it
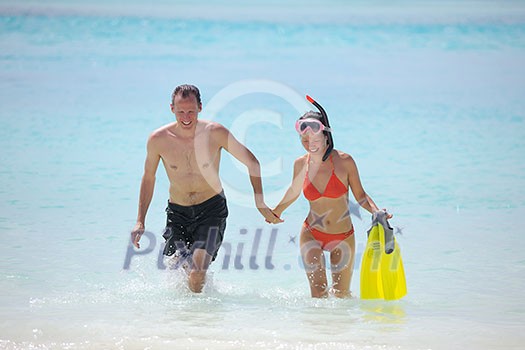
(185, 91)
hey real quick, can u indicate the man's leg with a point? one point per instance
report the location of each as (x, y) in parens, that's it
(207, 237)
(197, 275)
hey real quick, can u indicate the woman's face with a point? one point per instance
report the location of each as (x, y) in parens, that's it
(314, 143)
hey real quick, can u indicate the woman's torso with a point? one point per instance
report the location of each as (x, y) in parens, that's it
(326, 188)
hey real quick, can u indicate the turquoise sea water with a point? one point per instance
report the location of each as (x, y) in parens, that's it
(428, 97)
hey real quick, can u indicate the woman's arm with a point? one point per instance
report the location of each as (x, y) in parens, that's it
(294, 190)
(356, 187)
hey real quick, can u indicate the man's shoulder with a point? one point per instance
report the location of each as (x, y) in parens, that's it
(211, 126)
(163, 129)
(161, 132)
(213, 129)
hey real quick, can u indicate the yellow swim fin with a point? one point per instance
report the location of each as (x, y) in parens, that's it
(382, 272)
(371, 286)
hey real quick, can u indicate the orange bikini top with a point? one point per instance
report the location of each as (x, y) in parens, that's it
(334, 189)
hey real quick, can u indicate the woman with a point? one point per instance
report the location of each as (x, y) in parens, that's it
(328, 226)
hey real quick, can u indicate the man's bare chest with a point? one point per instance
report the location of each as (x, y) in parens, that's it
(189, 157)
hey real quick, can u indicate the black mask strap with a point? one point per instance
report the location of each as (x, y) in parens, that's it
(326, 123)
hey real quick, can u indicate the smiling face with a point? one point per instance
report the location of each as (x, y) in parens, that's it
(314, 143)
(186, 110)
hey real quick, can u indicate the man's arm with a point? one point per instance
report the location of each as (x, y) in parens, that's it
(246, 157)
(147, 186)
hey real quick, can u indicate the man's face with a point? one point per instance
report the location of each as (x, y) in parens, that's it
(186, 111)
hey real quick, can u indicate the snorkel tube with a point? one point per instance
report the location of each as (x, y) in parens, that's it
(326, 123)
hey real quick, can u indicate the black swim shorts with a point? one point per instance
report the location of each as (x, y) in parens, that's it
(196, 226)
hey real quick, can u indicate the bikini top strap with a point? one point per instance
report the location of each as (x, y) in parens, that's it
(307, 164)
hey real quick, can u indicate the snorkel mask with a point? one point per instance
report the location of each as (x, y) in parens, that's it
(302, 126)
(326, 125)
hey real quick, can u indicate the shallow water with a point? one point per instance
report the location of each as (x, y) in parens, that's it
(428, 99)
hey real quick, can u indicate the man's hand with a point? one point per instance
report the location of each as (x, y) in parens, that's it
(137, 232)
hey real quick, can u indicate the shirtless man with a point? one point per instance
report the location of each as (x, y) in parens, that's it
(190, 150)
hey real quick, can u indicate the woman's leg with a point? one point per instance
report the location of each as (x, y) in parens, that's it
(342, 266)
(314, 264)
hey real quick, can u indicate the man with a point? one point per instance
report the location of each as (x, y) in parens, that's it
(190, 151)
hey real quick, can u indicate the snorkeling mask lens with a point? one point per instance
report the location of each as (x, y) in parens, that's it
(315, 126)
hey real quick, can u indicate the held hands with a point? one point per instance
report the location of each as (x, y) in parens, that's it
(269, 216)
(278, 221)
(137, 232)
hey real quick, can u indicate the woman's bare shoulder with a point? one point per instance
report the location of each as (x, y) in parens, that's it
(343, 156)
(344, 159)
(301, 161)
